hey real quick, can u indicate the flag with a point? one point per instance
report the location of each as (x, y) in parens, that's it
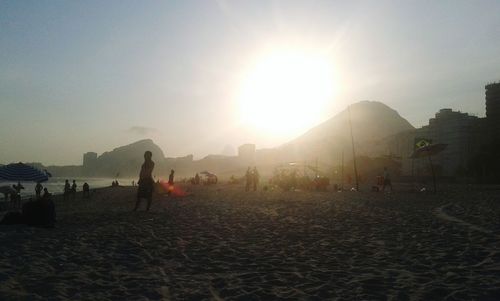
(421, 142)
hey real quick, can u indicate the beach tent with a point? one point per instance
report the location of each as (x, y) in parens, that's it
(20, 172)
(211, 177)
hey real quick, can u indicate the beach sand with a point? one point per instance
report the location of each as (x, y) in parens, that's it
(221, 243)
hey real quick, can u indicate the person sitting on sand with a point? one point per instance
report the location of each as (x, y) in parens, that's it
(40, 213)
(38, 190)
(387, 179)
(146, 182)
(86, 190)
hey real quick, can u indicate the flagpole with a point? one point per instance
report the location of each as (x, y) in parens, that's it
(353, 150)
(342, 172)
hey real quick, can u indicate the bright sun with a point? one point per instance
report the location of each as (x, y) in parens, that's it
(286, 92)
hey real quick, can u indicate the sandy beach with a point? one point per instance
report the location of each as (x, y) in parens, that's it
(221, 243)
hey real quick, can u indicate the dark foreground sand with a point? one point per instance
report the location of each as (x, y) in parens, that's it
(221, 243)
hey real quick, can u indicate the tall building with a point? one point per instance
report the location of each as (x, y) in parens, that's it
(493, 111)
(89, 159)
(460, 131)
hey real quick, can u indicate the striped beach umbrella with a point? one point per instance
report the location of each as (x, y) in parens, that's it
(21, 172)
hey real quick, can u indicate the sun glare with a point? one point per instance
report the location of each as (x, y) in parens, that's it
(286, 92)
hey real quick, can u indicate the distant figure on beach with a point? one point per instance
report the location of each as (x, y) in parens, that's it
(18, 187)
(248, 178)
(86, 190)
(255, 178)
(7, 190)
(73, 189)
(38, 190)
(197, 179)
(387, 179)
(67, 189)
(146, 181)
(170, 182)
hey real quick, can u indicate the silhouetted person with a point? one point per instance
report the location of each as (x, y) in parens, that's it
(248, 178)
(197, 179)
(38, 213)
(171, 182)
(38, 190)
(255, 178)
(387, 179)
(67, 190)
(7, 190)
(73, 189)
(86, 190)
(18, 187)
(146, 182)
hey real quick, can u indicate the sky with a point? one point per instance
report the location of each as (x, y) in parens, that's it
(78, 76)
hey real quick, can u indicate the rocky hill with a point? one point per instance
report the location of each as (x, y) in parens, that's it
(372, 121)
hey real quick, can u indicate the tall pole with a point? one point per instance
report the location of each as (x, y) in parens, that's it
(353, 150)
(316, 166)
(342, 173)
(433, 174)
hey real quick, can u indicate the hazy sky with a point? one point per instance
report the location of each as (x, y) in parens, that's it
(94, 75)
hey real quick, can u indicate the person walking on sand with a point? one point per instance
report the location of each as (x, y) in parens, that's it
(67, 189)
(255, 178)
(146, 182)
(248, 178)
(387, 179)
(73, 189)
(170, 182)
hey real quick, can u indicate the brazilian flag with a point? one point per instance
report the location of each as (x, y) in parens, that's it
(421, 142)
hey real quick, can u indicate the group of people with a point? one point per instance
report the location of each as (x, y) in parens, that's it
(39, 212)
(252, 179)
(70, 190)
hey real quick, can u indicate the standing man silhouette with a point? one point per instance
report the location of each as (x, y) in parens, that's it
(171, 182)
(146, 182)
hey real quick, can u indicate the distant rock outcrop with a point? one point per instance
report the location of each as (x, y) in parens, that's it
(126, 160)
(371, 122)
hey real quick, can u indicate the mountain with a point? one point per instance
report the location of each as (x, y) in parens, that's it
(127, 160)
(372, 121)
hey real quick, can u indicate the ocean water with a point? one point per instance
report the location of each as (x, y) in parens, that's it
(56, 185)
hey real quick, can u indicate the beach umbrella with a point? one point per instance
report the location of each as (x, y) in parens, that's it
(22, 173)
(209, 174)
(429, 151)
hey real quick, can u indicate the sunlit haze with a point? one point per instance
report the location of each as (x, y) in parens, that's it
(287, 92)
(200, 77)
